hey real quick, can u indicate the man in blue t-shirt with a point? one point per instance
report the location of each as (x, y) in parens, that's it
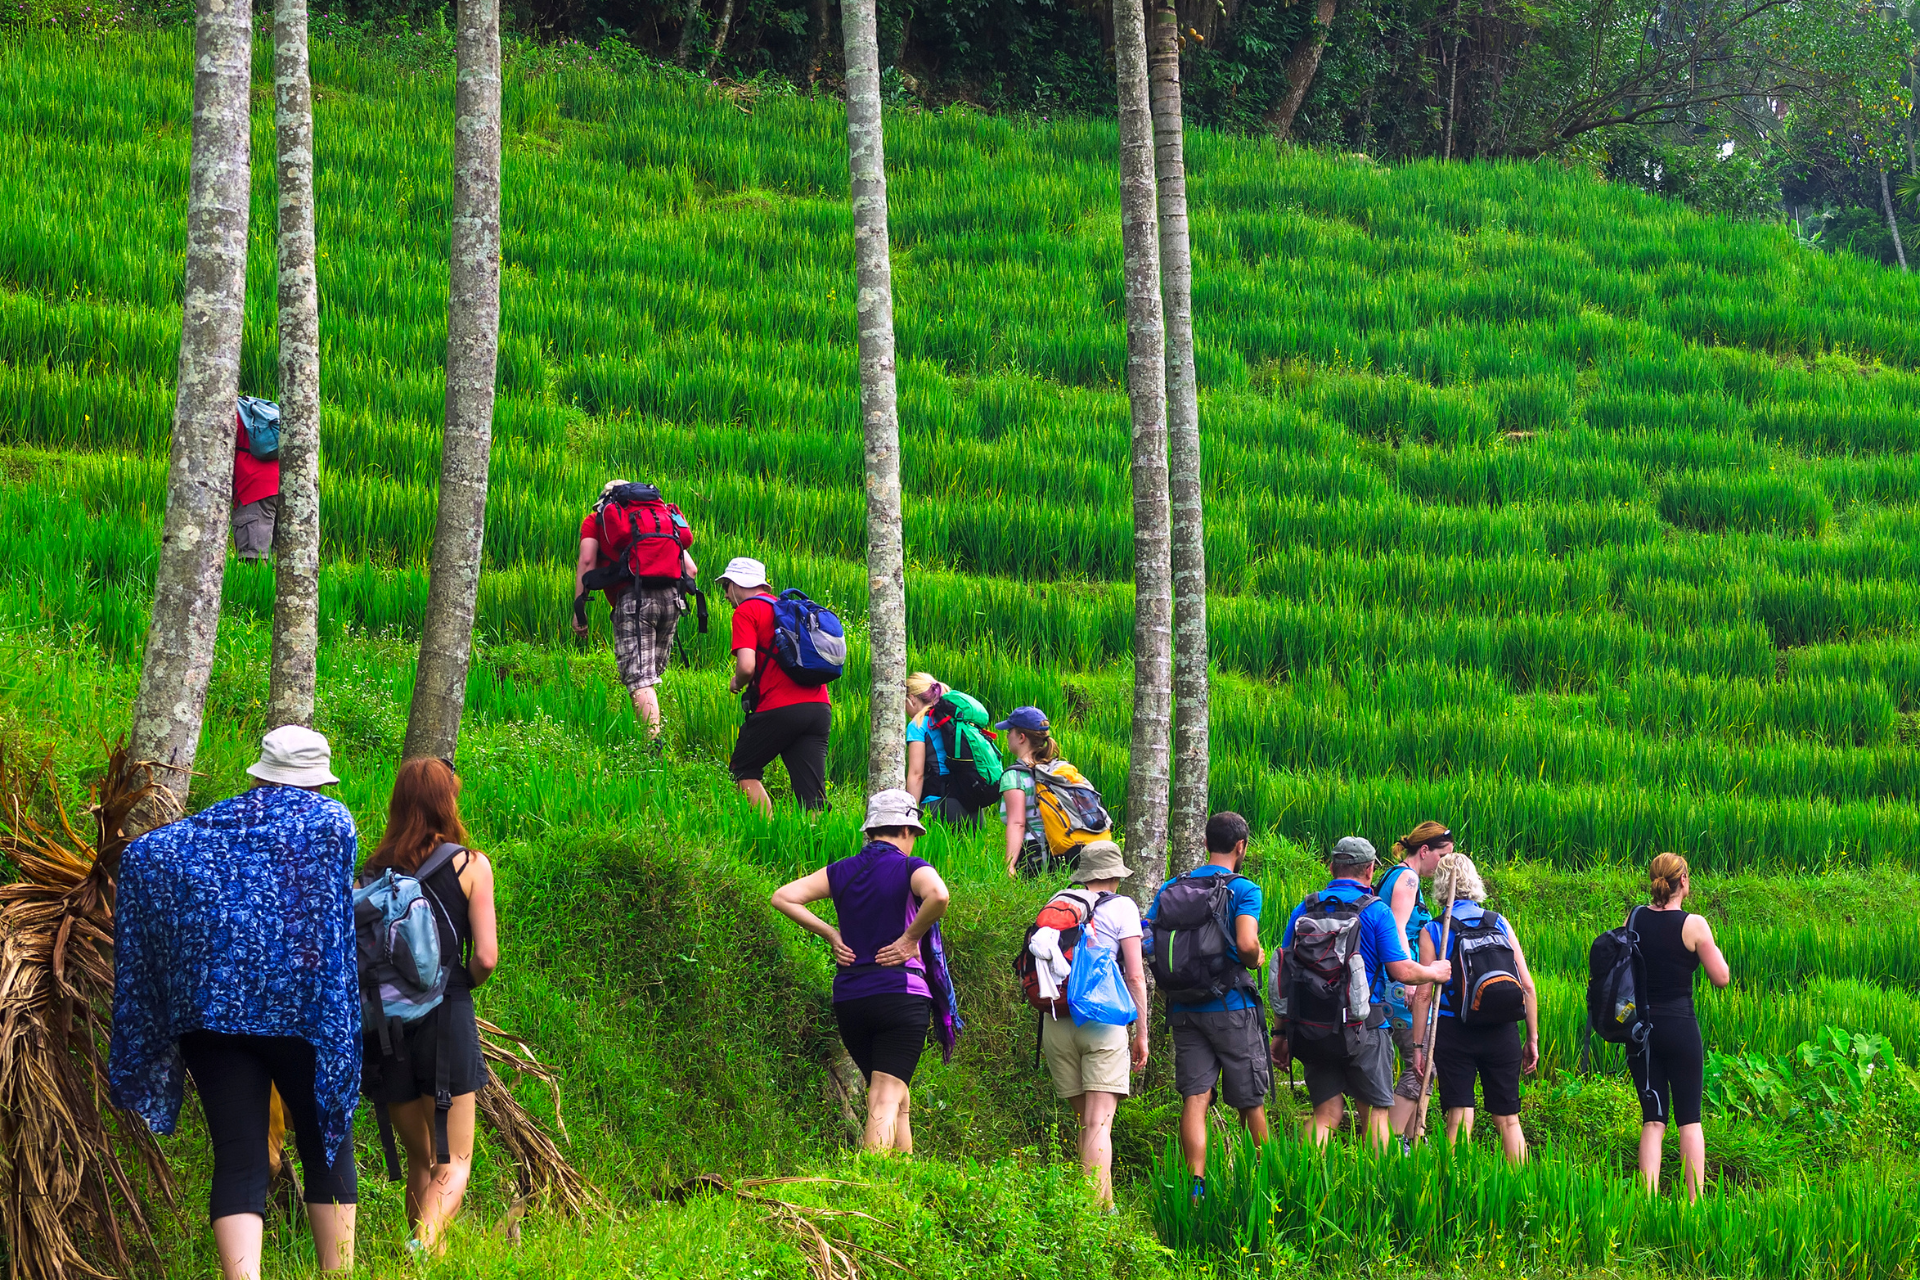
(1368, 1078)
(1219, 1042)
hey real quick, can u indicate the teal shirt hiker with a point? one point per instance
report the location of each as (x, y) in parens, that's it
(1246, 902)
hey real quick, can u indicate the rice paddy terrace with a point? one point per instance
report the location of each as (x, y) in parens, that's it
(1580, 520)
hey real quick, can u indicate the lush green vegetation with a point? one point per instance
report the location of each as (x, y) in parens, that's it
(1579, 520)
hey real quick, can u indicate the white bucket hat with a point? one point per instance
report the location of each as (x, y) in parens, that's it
(295, 756)
(893, 808)
(743, 571)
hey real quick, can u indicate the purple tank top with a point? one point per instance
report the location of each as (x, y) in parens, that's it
(873, 895)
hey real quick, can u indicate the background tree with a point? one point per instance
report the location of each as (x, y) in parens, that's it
(1302, 65)
(879, 409)
(296, 533)
(473, 349)
(1187, 819)
(1147, 772)
(193, 543)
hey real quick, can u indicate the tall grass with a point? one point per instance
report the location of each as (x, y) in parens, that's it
(1441, 1209)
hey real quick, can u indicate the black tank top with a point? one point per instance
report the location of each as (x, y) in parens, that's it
(456, 929)
(1670, 966)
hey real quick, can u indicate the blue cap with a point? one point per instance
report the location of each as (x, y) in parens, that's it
(1026, 719)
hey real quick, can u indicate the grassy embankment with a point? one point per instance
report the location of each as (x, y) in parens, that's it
(1579, 521)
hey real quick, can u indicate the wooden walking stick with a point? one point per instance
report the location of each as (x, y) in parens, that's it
(1417, 1124)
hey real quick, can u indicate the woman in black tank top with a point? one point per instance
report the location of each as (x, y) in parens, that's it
(435, 1064)
(1674, 943)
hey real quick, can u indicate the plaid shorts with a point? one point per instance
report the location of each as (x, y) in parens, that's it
(644, 620)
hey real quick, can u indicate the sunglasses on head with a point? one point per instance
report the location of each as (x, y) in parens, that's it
(1445, 837)
(448, 761)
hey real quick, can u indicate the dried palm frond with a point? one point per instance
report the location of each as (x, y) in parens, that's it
(827, 1258)
(71, 1168)
(543, 1173)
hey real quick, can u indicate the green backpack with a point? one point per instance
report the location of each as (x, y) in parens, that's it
(973, 762)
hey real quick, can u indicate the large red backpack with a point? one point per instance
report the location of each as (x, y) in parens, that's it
(1068, 911)
(641, 536)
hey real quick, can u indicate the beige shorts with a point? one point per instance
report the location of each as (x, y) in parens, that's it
(1089, 1059)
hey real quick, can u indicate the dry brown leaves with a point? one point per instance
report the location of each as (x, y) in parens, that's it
(544, 1174)
(72, 1170)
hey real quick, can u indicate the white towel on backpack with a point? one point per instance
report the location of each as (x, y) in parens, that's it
(1052, 967)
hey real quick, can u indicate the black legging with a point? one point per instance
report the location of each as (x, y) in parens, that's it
(232, 1075)
(1670, 1092)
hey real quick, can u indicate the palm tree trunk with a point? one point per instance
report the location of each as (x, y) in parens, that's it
(1147, 773)
(193, 545)
(296, 531)
(1187, 822)
(1301, 68)
(1893, 224)
(879, 411)
(473, 348)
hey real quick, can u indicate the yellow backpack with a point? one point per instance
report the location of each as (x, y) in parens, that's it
(1071, 814)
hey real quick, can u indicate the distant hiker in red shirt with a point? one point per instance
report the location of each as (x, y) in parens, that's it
(786, 717)
(256, 496)
(633, 546)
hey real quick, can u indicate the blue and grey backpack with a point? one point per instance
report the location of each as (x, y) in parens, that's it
(808, 641)
(396, 926)
(260, 419)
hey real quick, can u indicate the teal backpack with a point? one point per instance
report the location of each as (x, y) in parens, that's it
(973, 761)
(396, 926)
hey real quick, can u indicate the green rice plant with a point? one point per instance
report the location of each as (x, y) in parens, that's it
(1769, 503)
(1288, 1202)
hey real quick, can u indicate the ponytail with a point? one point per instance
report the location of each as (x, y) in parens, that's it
(1419, 838)
(1669, 875)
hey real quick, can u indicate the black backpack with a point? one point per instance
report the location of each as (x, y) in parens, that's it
(1485, 989)
(1616, 988)
(1191, 947)
(1322, 998)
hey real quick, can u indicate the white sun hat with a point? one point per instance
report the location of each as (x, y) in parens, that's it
(743, 571)
(295, 756)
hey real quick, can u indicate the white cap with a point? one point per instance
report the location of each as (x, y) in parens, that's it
(295, 756)
(743, 571)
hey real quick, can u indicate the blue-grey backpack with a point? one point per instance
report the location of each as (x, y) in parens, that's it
(260, 419)
(396, 926)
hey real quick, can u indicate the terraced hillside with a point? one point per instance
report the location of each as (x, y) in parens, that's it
(1519, 486)
(1583, 522)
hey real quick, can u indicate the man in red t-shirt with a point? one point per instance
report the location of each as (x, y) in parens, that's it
(644, 620)
(256, 499)
(784, 719)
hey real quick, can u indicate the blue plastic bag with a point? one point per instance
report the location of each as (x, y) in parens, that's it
(1095, 992)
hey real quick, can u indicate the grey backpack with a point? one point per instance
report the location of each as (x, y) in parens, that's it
(396, 926)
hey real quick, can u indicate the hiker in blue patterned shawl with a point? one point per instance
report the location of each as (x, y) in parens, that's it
(234, 961)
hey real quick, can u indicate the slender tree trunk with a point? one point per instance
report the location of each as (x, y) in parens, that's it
(720, 29)
(1147, 780)
(296, 531)
(1187, 823)
(1893, 224)
(886, 567)
(473, 348)
(193, 541)
(1301, 68)
(1453, 85)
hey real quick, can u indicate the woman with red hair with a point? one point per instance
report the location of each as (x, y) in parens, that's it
(435, 1063)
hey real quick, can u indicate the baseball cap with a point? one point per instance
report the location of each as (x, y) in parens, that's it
(1026, 719)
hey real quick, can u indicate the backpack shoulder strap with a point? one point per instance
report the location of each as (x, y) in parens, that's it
(440, 857)
(1085, 900)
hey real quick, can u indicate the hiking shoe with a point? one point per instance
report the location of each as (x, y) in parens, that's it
(1199, 1192)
